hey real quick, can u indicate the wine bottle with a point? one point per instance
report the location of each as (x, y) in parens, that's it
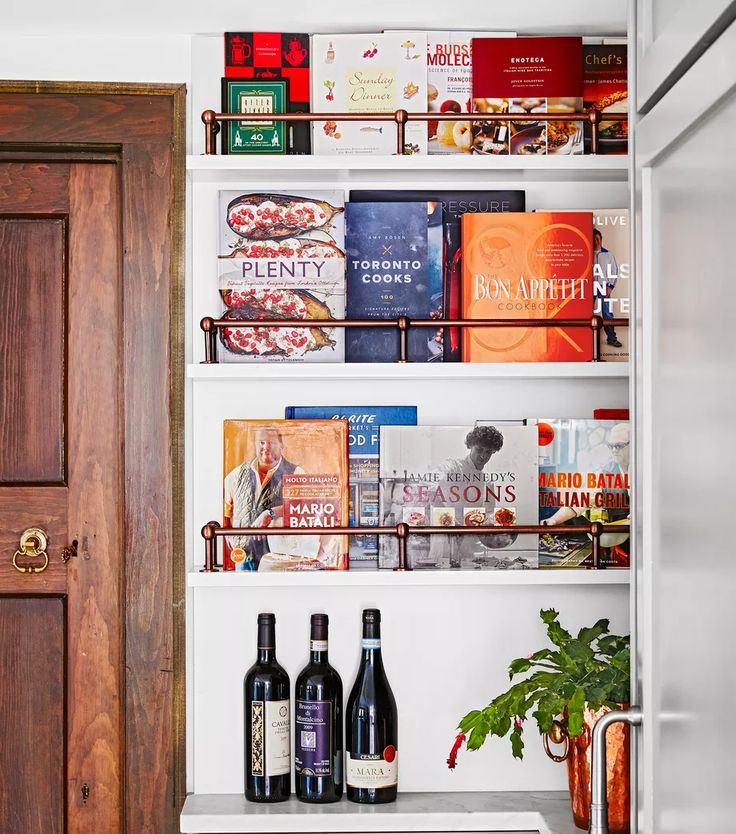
(371, 724)
(318, 742)
(267, 721)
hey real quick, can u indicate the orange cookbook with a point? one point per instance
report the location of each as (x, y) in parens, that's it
(291, 474)
(528, 265)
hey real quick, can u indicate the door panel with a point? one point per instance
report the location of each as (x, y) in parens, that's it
(61, 321)
(25, 507)
(95, 497)
(32, 318)
(686, 408)
(32, 715)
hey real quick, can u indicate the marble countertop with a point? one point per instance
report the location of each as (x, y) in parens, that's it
(519, 811)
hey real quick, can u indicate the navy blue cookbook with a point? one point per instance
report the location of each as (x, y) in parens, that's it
(454, 205)
(394, 268)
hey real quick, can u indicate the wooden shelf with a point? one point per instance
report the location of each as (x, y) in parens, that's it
(409, 371)
(414, 579)
(520, 812)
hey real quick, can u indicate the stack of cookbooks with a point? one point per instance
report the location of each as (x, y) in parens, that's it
(361, 466)
(435, 71)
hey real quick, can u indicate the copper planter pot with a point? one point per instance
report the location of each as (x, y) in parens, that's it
(576, 752)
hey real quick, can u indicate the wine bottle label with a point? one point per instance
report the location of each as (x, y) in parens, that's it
(373, 771)
(313, 743)
(318, 645)
(270, 726)
(371, 642)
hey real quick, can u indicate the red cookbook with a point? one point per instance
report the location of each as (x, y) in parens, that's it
(528, 76)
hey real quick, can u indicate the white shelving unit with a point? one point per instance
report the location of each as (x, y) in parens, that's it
(460, 628)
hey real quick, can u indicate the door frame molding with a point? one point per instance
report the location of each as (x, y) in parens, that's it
(111, 119)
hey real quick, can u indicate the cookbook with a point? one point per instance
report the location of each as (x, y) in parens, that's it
(364, 424)
(282, 257)
(372, 73)
(532, 265)
(612, 279)
(275, 56)
(528, 76)
(454, 205)
(290, 474)
(583, 477)
(447, 476)
(605, 88)
(394, 268)
(257, 96)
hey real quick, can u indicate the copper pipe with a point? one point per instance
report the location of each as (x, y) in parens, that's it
(209, 532)
(402, 531)
(405, 323)
(596, 528)
(210, 340)
(595, 121)
(521, 529)
(212, 531)
(400, 118)
(596, 323)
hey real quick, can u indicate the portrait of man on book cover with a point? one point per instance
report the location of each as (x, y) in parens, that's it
(289, 474)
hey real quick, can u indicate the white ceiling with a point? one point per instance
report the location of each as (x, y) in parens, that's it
(159, 17)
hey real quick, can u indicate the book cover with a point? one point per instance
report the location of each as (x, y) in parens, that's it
(449, 73)
(364, 424)
(373, 73)
(454, 205)
(612, 279)
(460, 476)
(394, 268)
(532, 265)
(255, 96)
(282, 256)
(617, 414)
(605, 88)
(583, 477)
(290, 474)
(528, 75)
(275, 56)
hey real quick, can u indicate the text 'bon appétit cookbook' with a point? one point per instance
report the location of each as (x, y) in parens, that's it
(282, 257)
(533, 265)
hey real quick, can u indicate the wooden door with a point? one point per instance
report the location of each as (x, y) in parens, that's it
(87, 420)
(61, 470)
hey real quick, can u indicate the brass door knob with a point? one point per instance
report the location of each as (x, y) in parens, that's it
(33, 544)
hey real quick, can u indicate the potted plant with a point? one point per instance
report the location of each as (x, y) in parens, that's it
(567, 688)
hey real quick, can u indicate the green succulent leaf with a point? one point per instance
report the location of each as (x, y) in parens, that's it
(587, 635)
(471, 719)
(517, 743)
(518, 666)
(575, 709)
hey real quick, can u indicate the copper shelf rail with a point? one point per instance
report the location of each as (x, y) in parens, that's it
(210, 326)
(212, 121)
(213, 530)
